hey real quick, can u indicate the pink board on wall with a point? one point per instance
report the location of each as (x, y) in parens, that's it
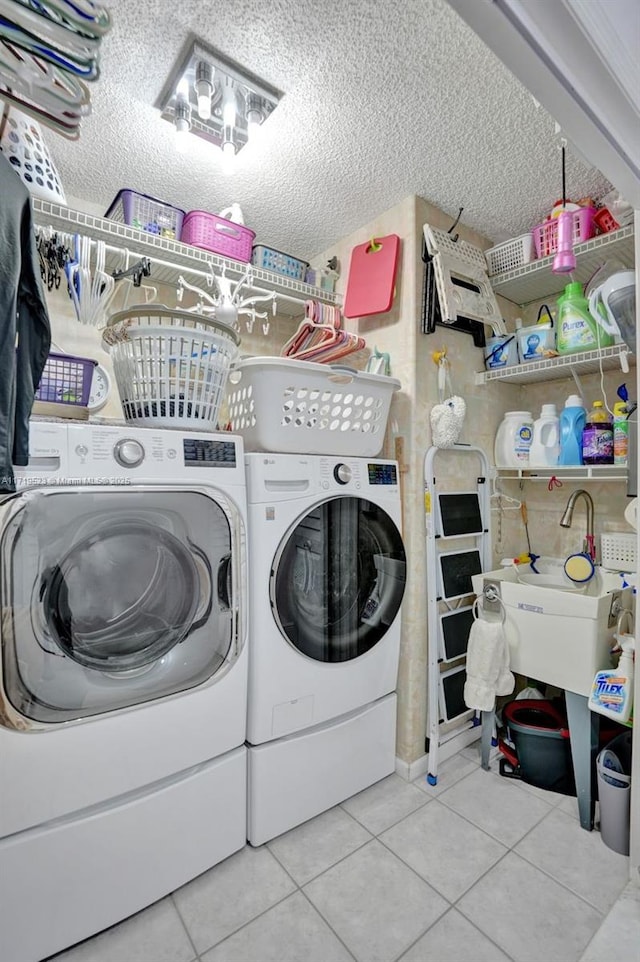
(372, 277)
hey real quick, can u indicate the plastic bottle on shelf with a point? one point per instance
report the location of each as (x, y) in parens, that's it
(577, 329)
(612, 689)
(513, 440)
(572, 421)
(545, 443)
(620, 433)
(597, 437)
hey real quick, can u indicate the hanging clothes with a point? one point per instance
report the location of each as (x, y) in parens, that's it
(25, 332)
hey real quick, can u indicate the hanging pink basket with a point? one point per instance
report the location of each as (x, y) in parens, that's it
(545, 236)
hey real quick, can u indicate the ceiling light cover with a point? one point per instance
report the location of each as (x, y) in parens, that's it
(221, 96)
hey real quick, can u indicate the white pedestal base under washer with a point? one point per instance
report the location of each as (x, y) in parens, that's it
(124, 676)
(327, 574)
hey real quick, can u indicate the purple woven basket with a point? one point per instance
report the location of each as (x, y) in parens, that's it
(66, 380)
(147, 214)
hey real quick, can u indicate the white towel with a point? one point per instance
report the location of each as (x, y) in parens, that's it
(488, 672)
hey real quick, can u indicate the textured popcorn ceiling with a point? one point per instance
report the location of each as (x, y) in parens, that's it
(382, 99)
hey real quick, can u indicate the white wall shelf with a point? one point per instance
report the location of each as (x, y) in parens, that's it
(554, 368)
(170, 258)
(535, 281)
(580, 472)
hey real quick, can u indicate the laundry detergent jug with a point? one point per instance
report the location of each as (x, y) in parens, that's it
(545, 443)
(572, 421)
(513, 440)
(577, 330)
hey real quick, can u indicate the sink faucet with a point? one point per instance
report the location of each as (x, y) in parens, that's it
(589, 546)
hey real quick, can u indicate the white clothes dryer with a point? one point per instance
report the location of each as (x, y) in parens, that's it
(123, 675)
(327, 576)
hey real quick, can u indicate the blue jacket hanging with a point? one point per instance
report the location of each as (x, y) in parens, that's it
(25, 333)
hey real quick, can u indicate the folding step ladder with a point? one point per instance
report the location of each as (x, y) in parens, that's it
(458, 545)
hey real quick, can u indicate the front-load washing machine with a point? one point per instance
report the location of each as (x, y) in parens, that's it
(123, 676)
(327, 575)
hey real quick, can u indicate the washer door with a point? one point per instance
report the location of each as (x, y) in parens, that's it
(122, 596)
(113, 597)
(338, 579)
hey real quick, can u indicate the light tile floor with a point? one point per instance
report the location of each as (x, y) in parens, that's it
(478, 869)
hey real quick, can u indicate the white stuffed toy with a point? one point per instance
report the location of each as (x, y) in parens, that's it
(446, 421)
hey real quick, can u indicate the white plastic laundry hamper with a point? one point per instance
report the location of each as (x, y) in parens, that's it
(171, 366)
(23, 145)
(287, 406)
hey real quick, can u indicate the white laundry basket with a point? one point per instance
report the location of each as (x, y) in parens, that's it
(287, 406)
(23, 145)
(171, 366)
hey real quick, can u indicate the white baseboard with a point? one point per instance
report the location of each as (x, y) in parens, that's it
(412, 770)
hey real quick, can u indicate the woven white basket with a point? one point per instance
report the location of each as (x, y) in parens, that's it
(299, 407)
(619, 550)
(171, 367)
(511, 254)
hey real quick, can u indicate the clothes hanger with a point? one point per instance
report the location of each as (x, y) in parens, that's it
(322, 342)
(38, 79)
(312, 329)
(40, 27)
(63, 54)
(85, 16)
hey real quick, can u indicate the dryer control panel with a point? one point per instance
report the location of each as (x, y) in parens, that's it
(276, 478)
(358, 474)
(383, 472)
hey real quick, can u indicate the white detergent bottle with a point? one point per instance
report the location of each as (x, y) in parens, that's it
(612, 689)
(545, 442)
(513, 440)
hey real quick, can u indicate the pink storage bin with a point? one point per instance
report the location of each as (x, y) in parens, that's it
(545, 236)
(215, 234)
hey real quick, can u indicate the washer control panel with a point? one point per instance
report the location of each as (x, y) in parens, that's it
(106, 454)
(206, 452)
(342, 473)
(128, 452)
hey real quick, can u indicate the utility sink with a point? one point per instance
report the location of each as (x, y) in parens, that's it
(558, 632)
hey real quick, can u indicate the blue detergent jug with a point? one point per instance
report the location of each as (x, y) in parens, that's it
(572, 421)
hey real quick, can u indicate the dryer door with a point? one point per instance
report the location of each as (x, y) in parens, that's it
(338, 579)
(115, 596)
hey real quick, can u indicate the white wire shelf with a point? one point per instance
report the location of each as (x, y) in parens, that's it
(534, 281)
(618, 356)
(170, 258)
(579, 472)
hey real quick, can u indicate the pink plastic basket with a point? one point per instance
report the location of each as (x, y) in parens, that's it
(215, 234)
(545, 236)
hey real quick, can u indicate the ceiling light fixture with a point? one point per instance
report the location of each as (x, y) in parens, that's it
(204, 88)
(229, 103)
(182, 121)
(211, 97)
(229, 150)
(253, 114)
